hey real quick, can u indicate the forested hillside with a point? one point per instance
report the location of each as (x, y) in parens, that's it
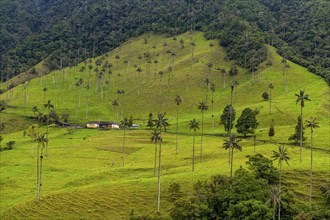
(63, 33)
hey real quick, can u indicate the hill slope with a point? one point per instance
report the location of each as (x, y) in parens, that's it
(83, 174)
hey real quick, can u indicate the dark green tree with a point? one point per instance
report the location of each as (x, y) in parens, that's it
(228, 115)
(296, 136)
(247, 122)
(262, 167)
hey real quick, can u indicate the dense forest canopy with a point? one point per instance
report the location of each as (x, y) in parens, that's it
(74, 30)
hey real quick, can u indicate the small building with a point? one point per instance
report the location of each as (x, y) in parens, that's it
(102, 125)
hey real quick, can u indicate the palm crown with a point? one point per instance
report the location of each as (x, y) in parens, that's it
(301, 97)
(193, 124)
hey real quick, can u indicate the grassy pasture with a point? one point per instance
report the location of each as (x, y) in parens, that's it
(83, 174)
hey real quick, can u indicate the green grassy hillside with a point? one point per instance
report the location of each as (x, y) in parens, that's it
(83, 174)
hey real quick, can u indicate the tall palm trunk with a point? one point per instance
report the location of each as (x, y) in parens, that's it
(279, 204)
(212, 115)
(193, 153)
(155, 158)
(177, 130)
(123, 153)
(47, 136)
(201, 154)
(311, 172)
(270, 101)
(231, 168)
(38, 176)
(159, 169)
(87, 102)
(301, 128)
(230, 120)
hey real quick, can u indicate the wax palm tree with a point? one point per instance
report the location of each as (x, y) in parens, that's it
(312, 123)
(178, 101)
(281, 155)
(232, 144)
(125, 123)
(48, 106)
(270, 86)
(301, 98)
(160, 123)
(155, 137)
(35, 109)
(42, 141)
(207, 83)
(193, 124)
(203, 107)
(45, 91)
(274, 198)
(139, 70)
(115, 105)
(212, 90)
(223, 71)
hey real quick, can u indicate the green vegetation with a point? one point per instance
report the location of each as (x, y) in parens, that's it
(56, 35)
(83, 174)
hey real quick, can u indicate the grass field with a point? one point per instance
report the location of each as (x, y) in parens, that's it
(83, 177)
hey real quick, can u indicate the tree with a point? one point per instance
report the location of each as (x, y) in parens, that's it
(281, 155)
(115, 105)
(270, 86)
(193, 124)
(211, 46)
(296, 136)
(160, 123)
(232, 144)
(203, 107)
(150, 121)
(262, 167)
(1, 139)
(250, 209)
(212, 90)
(274, 198)
(301, 98)
(48, 106)
(225, 120)
(155, 137)
(34, 109)
(312, 124)
(42, 141)
(178, 101)
(233, 70)
(271, 131)
(247, 122)
(265, 96)
(125, 123)
(139, 70)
